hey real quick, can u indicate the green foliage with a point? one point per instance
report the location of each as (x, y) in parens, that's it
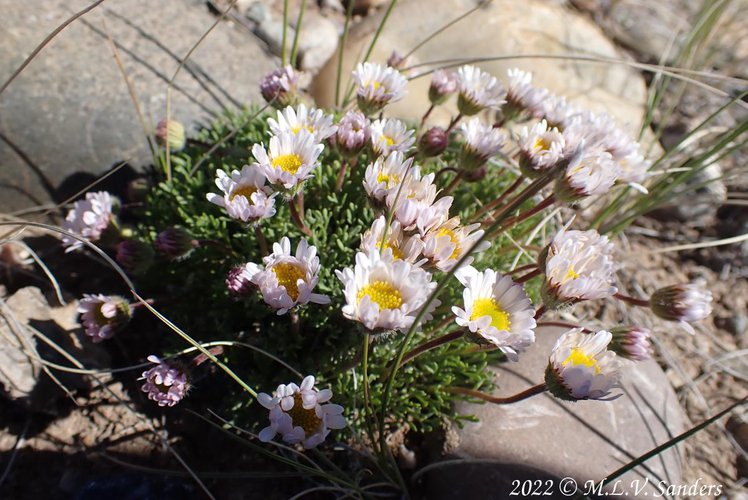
(191, 292)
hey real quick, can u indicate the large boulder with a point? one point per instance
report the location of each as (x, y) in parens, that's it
(584, 440)
(70, 110)
(530, 35)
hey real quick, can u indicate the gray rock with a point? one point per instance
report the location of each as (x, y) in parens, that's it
(70, 110)
(24, 318)
(499, 28)
(485, 480)
(19, 370)
(585, 440)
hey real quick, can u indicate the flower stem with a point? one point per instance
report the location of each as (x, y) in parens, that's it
(432, 344)
(454, 122)
(540, 312)
(511, 221)
(341, 176)
(455, 181)
(563, 324)
(532, 391)
(527, 267)
(426, 115)
(500, 199)
(297, 218)
(367, 397)
(632, 300)
(261, 241)
(528, 276)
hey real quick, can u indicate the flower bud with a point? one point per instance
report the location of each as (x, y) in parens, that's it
(353, 133)
(170, 133)
(476, 175)
(631, 342)
(166, 383)
(103, 316)
(443, 85)
(433, 142)
(685, 303)
(134, 256)
(280, 87)
(175, 242)
(238, 282)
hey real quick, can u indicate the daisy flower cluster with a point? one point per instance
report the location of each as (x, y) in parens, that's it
(347, 225)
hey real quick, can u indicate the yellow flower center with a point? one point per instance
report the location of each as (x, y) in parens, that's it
(288, 275)
(570, 275)
(541, 144)
(453, 239)
(246, 191)
(383, 294)
(389, 141)
(288, 163)
(377, 85)
(579, 357)
(387, 179)
(488, 307)
(307, 419)
(397, 254)
(295, 129)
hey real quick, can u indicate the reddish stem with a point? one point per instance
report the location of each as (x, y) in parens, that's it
(432, 344)
(632, 300)
(261, 241)
(454, 122)
(426, 115)
(500, 199)
(510, 221)
(532, 391)
(528, 276)
(540, 312)
(520, 269)
(563, 324)
(297, 218)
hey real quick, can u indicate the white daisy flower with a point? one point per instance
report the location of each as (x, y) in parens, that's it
(415, 205)
(497, 310)
(245, 196)
(447, 243)
(481, 143)
(386, 174)
(385, 294)
(557, 111)
(287, 281)
(581, 367)
(300, 414)
(397, 245)
(522, 98)
(90, 218)
(590, 172)
(477, 90)
(377, 86)
(290, 159)
(685, 304)
(390, 135)
(579, 266)
(540, 148)
(315, 121)
(634, 170)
